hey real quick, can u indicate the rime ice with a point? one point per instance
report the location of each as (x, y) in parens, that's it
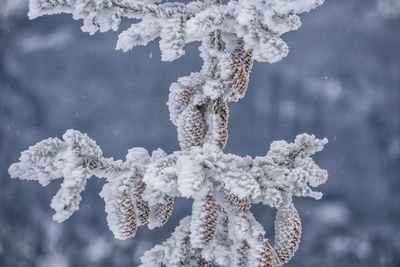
(141, 190)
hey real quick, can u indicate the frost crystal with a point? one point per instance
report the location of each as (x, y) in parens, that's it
(222, 230)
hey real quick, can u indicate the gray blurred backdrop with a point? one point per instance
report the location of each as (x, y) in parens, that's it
(341, 80)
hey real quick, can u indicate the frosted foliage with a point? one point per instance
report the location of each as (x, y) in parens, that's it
(176, 251)
(40, 162)
(258, 22)
(141, 190)
(205, 217)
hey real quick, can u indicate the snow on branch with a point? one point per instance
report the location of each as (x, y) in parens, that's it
(231, 35)
(141, 189)
(76, 159)
(259, 23)
(105, 15)
(286, 169)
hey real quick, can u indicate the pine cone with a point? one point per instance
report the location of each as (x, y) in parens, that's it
(242, 251)
(266, 258)
(223, 112)
(163, 211)
(203, 263)
(185, 97)
(190, 128)
(239, 204)
(242, 61)
(287, 234)
(210, 220)
(179, 99)
(125, 215)
(142, 207)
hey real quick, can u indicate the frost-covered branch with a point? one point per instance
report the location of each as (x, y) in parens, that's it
(105, 15)
(259, 23)
(141, 190)
(287, 169)
(231, 35)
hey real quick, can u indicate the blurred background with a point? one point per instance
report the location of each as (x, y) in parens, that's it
(341, 80)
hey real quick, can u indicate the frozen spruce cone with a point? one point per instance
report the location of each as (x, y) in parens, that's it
(204, 221)
(239, 204)
(142, 207)
(241, 256)
(141, 189)
(124, 213)
(287, 234)
(242, 61)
